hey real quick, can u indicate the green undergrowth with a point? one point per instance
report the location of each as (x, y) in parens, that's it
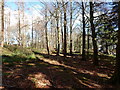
(16, 54)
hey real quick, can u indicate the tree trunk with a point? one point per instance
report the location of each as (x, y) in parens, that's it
(58, 30)
(2, 26)
(95, 53)
(8, 30)
(32, 32)
(23, 38)
(46, 37)
(55, 39)
(36, 40)
(52, 35)
(65, 22)
(19, 23)
(83, 47)
(70, 27)
(106, 48)
(88, 41)
(62, 33)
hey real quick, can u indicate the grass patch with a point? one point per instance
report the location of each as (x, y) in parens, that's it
(16, 54)
(32, 56)
(6, 74)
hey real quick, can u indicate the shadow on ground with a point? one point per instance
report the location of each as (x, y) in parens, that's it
(70, 72)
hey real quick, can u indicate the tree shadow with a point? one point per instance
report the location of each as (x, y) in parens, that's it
(34, 73)
(87, 66)
(76, 62)
(18, 74)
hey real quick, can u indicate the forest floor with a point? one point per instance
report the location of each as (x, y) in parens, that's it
(50, 71)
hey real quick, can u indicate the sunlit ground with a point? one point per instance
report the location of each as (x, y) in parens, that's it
(48, 71)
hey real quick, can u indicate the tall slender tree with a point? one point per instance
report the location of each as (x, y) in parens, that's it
(2, 21)
(83, 20)
(8, 29)
(19, 24)
(46, 33)
(95, 49)
(65, 29)
(88, 41)
(58, 29)
(71, 27)
(62, 32)
(32, 32)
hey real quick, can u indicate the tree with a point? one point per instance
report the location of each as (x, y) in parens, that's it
(23, 40)
(62, 37)
(71, 27)
(46, 35)
(65, 29)
(2, 23)
(83, 20)
(88, 41)
(8, 28)
(32, 32)
(19, 4)
(58, 29)
(95, 49)
(106, 33)
(116, 76)
(19, 29)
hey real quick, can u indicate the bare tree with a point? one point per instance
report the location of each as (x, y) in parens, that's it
(95, 53)
(2, 23)
(88, 41)
(32, 32)
(65, 29)
(19, 24)
(8, 28)
(71, 27)
(58, 29)
(62, 37)
(83, 20)
(46, 34)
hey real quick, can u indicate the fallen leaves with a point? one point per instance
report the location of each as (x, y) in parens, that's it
(54, 71)
(40, 80)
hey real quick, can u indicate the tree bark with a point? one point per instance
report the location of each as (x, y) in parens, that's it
(46, 35)
(8, 29)
(32, 32)
(95, 49)
(58, 29)
(88, 43)
(65, 23)
(62, 33)
(70, 27)
(19, 23)
(106, 48)
(2, 19)
(83, 47)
